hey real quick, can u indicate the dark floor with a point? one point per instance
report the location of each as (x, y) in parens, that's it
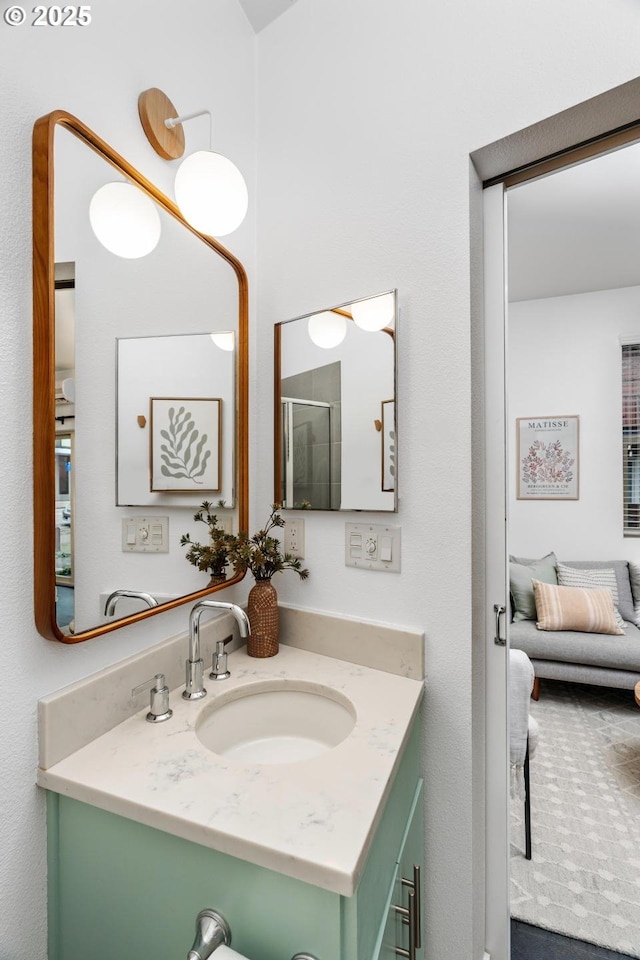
(533, 943)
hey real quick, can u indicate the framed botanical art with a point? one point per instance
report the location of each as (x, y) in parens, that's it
(185, 444)
(547, 458)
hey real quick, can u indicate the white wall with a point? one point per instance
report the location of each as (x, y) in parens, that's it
(367, 114)
(202, 56)
(565, 358)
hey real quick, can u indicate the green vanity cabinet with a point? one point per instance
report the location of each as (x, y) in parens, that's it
(406, 878)
(119, 888)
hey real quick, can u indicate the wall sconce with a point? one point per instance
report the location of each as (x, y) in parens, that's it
(210, 190)
(124, 220)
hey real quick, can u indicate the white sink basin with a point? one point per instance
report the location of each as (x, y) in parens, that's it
(276, 721)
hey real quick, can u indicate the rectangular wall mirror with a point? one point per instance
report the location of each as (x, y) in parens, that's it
(335, 417)
(121, 341)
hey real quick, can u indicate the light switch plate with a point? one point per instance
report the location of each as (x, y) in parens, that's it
(145, 534)
(372, 546)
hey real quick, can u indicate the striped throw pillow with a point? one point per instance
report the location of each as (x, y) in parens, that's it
(588, 610)
(590, 579)
(634, 576)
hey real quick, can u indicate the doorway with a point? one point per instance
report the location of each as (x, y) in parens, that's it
(573, 293)
(64, 511)
(526, 526)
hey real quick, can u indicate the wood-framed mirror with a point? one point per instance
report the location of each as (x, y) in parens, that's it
(335, 419)
(113, 338)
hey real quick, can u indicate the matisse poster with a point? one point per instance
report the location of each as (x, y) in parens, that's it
(547, 458)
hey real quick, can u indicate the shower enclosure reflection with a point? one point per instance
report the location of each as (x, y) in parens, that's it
(308, 431)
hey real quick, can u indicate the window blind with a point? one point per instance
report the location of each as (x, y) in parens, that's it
(631, 437)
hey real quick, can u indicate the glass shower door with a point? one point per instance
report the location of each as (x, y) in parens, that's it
(306, 454)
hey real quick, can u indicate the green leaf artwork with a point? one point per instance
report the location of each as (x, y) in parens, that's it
(183, 455)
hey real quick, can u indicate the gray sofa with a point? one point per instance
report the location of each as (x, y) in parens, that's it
(602, 659)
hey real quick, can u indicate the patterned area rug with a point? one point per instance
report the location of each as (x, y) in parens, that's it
(584, 878)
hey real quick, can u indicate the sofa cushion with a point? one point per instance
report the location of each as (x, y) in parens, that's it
(588, 579)
(568, 646)
(621, 567)
(575, 608)
(521, 576)
(634, 577)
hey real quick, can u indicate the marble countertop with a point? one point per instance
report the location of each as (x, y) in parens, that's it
(312, 820)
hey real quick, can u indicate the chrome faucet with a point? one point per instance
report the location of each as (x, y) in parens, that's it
(212, 931)
(112, 599)
(194, 684)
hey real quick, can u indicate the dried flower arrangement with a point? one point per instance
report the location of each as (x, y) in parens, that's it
(213, 556)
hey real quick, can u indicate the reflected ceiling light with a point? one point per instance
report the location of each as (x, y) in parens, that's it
(374, 313)
(210, 190)
(224, 339)
(327, 329)
(125, 220)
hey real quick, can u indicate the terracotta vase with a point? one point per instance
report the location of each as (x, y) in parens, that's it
(262, 610)
(217, 578)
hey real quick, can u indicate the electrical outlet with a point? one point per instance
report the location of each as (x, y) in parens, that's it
(294, 538)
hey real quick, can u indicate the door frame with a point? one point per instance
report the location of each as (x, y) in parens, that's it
(497, 920)
(595, 126)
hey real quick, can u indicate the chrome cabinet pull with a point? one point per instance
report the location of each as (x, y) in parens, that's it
(415, 886)
(408, 915)
(498, 609)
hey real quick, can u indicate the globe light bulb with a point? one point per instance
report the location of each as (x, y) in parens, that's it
(211, 193)
(327, 329)
(224, 340)
(374, 313)
(125, 220)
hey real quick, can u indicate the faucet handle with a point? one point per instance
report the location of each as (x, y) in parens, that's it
(159, 708)
(219, 669)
